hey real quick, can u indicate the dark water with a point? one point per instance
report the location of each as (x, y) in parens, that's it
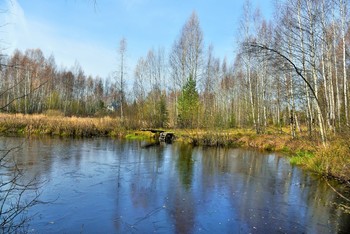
(112, 186)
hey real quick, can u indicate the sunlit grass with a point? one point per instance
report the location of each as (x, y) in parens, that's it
(333, 160)
(59, 125)
(301, 158)
(139, 135)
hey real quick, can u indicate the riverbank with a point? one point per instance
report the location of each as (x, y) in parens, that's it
(331, 161)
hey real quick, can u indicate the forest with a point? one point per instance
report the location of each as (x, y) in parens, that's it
(288, 72)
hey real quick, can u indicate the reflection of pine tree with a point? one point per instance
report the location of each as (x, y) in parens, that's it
(185, 166)
(188, 104)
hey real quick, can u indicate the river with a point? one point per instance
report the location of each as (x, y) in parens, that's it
(112, 186)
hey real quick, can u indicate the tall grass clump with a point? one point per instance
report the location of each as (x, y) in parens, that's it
(334, 160)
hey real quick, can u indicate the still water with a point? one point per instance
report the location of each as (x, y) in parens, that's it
(112, 186)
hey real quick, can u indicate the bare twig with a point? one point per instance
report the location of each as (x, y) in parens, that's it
(16, 197)
(339, 194)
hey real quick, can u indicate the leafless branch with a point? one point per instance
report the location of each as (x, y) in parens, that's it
(338, 193)
(16, 196)
(253, 47)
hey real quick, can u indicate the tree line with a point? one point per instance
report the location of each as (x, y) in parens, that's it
(291, 70)
(32, 83)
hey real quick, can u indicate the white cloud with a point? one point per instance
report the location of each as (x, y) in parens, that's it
(25, 33)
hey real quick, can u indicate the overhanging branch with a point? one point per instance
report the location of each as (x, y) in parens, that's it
(275, 51)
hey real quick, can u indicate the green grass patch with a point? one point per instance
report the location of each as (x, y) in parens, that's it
(139, 136)
(285, 149)
(301, 158)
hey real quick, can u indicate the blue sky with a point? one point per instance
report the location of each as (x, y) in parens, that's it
(76, 30)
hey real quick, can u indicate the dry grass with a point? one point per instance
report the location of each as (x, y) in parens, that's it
(273, 140)
(58, 125)
(333, 160)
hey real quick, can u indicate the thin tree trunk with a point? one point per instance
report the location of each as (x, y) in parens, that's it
(308, 99)
(338, 113)
(251, 101)
(345, 83)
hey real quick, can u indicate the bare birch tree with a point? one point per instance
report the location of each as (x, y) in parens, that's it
(121, 75)
(343, 17)
(247, 34)
(186, 57)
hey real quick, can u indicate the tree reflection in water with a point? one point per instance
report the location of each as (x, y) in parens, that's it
(183, 210)
(112, 186)
(185, 165)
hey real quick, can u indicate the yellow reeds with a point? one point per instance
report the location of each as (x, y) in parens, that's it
(59, 126)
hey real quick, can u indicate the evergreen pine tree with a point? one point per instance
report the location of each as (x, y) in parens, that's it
(188, 105)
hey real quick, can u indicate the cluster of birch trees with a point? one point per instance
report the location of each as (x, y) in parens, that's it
(32, 83)
(297, 67)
